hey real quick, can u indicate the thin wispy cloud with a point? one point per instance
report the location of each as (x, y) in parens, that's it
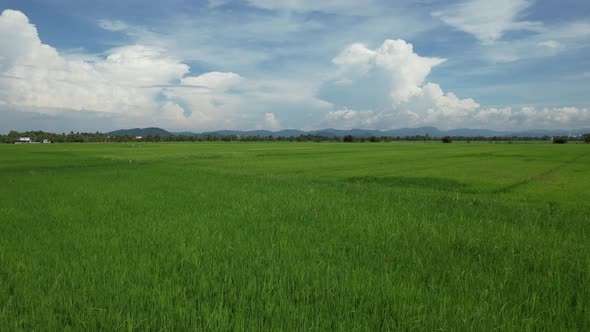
(488, 21)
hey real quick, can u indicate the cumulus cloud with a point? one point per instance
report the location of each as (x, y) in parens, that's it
(19, 41)
(408, 70)
(36, 75)
(562, 117)
(526, 118)
(414, 102)
(488, 20)
(139, 83)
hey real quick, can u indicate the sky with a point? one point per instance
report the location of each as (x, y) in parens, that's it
(78, 65)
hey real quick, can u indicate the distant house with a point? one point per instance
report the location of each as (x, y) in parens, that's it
(23, 140)
(46, 141)
(138, 137)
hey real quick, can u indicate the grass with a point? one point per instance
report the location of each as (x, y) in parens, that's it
(305, 236)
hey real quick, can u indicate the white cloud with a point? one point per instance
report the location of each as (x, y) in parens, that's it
(220, 46)
(253, 42)
(408, 70)
(527, 118)
(411, 99)
(351, 7)
(415, 103)
(549, 43)
(172, 115)
(357, 58)
(37, 75)
(113, 25)
(230, 101)
(563, 117)
(271, 121)
(205, 98)
(217, 81)
(488, 20)
(127, 82)
(350, 119)
(139, 83)
(19, 42)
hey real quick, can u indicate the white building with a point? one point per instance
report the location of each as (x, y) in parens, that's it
(23, 140)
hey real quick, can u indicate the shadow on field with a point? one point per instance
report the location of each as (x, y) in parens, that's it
(61, 166)
(537, 177)
(413, 182)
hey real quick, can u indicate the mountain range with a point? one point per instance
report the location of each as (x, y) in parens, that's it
(330, 132)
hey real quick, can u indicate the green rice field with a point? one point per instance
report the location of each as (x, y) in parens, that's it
(295, 236)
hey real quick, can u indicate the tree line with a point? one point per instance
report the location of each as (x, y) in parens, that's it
(78, 137)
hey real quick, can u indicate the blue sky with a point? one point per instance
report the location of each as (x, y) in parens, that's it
(248, 64)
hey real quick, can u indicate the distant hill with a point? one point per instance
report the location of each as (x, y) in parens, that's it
(343, 132)
(280, 133)
(141, 132)
(435, 132)
(330, 132)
